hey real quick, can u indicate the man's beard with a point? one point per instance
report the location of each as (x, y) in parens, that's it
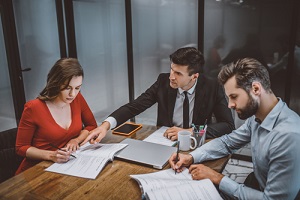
(249, 110)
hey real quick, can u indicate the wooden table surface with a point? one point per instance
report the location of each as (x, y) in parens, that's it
(113, 182)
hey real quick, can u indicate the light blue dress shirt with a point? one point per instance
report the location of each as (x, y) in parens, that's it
(275, 146)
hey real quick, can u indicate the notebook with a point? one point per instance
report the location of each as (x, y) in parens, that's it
(159, 138)
(147, 153)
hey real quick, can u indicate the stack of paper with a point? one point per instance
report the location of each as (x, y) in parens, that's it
(170, 186)
(89, 161)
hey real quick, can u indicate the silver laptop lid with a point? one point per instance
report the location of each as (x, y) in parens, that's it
(155, 155)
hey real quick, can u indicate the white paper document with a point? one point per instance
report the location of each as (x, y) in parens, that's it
(89, 162)
(158, 137)
(180, 186)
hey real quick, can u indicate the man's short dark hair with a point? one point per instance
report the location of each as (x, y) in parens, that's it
(246, 71)
(189, 56)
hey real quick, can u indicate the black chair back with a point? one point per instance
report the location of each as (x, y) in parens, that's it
(9, 160)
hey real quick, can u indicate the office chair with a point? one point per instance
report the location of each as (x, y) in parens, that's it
(10, 161)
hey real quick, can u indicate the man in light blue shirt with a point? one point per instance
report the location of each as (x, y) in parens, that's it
(271, 127)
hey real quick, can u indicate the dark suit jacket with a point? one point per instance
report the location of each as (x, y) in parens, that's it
(209, 99)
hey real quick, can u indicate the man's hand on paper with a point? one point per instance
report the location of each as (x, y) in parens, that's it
(184, 160)
(97, 134)
(172, 133)
(200, 171)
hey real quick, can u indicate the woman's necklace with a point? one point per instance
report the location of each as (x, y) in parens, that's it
(57, 106)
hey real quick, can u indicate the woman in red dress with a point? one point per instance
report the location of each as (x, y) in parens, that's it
(59, 117)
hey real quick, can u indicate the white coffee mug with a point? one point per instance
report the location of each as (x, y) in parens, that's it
(185, 139)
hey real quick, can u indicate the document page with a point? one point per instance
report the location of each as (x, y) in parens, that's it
(100, 150)
(162, 179)
(89, 161)
(203, 189)
(158, 137)
(168, 185)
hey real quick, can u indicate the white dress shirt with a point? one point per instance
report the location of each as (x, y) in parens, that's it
(178, 109)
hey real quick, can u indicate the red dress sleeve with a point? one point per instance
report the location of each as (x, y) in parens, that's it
(87, 116)
(26, 130)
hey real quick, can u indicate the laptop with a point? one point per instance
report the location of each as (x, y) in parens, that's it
(147, 153)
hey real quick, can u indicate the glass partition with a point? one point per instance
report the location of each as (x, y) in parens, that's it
(258, 29)
(101, 48)
(159, 29)
(7, 111)
(37, 32)
(295, 94)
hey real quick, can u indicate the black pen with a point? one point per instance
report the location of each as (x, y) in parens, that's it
(176, 160)
(61, 149)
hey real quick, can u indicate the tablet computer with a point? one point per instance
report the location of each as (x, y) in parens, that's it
(127, 128)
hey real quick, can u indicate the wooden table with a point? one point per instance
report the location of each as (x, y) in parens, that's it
(112, 183)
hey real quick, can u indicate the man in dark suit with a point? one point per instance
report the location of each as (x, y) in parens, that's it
(205, 97)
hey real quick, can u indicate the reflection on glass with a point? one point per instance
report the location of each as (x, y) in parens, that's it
(295, 94)
(37, 32)
(258, 29)
(7, 111)
(101, 48)
(159, 28)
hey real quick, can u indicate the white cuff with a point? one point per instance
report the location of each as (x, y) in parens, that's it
(112, 121)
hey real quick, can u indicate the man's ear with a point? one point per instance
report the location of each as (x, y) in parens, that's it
(256, 88)
(195, 76)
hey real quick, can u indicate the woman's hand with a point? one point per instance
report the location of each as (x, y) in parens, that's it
(60, 156)
(72, 145)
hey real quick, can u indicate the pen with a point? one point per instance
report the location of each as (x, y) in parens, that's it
(205, 123)
(201, 127)
(195, 128)
(176, 160)
(205, 127)
(61, 149)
